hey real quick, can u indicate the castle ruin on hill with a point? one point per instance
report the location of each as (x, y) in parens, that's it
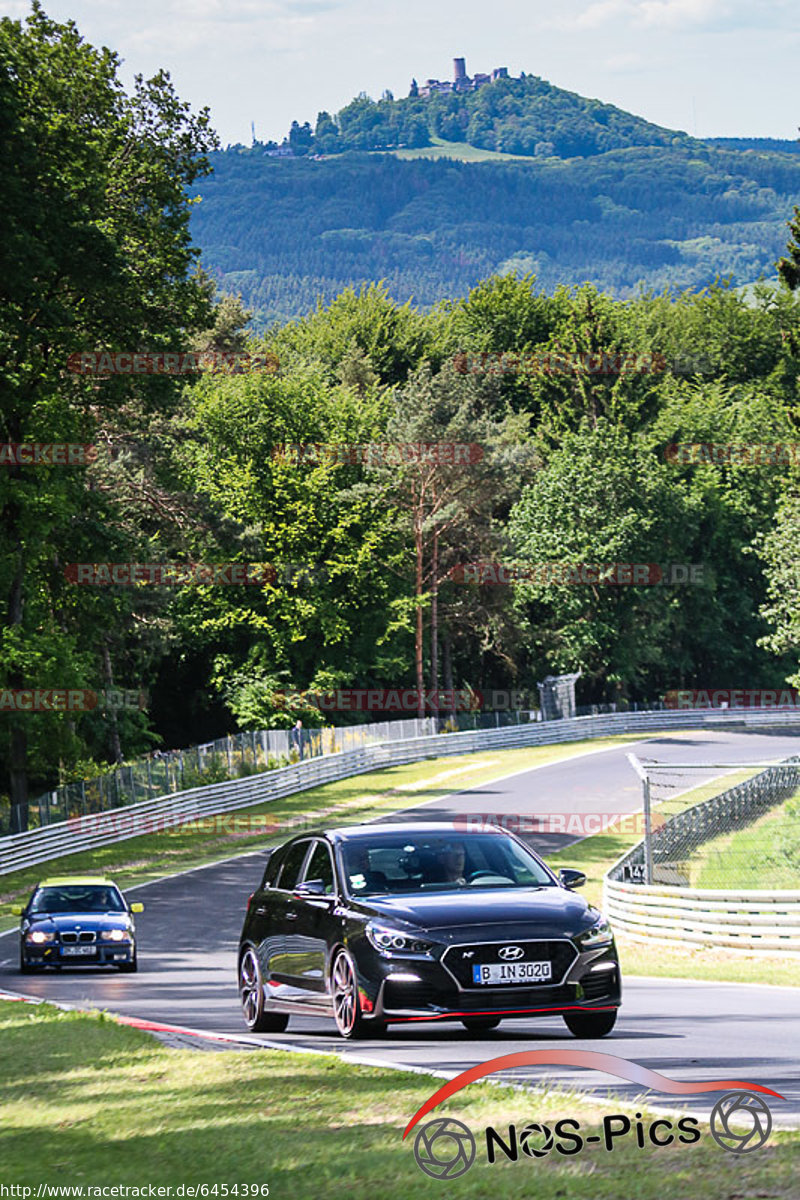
(461, 82)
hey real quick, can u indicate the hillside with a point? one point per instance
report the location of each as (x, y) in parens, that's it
(286, 232)
(526, 116)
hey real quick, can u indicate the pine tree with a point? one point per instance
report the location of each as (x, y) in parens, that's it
(789, 268)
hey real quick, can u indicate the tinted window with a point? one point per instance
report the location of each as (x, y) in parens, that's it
(272, 868)
(292, 862)
(321, 867)
(439, 862)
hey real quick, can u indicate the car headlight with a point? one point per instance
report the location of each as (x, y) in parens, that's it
(387, 940)
(596, 935)
(115, 935)
(38, 936)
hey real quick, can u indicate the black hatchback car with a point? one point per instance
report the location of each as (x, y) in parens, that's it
(413, 923)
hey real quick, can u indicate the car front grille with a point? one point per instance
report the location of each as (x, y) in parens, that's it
(459, 961)
(86, 935)
(511, 997)
(403, 996)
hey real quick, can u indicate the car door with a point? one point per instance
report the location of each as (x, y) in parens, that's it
(280, 912)
(260, 922)
(309, 919)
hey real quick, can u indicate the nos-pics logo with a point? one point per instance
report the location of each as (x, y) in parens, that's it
(445, 1148)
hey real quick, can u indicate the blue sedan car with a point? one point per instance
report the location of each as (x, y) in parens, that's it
(78, 921)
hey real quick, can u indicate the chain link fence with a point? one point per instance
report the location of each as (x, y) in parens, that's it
(166, 772)
(706, 835)
(234, 757)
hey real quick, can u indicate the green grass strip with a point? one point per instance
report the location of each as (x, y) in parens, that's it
(88, 1102)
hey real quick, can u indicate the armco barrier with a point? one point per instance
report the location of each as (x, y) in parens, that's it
(68, 837)
(745, 920)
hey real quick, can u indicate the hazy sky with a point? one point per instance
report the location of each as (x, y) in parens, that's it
(711, 67)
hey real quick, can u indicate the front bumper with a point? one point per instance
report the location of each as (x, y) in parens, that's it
(105, 954)
(424, 990)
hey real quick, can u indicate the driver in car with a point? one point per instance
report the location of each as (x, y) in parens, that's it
(452, 858)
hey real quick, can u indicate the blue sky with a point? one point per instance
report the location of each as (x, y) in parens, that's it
(721, 68)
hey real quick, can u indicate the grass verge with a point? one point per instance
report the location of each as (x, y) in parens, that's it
(88, 1102)
(767, 849)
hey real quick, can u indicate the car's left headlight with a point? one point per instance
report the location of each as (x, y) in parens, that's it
(115, 935)
(596, 935)
(38, 936)
(388, 940)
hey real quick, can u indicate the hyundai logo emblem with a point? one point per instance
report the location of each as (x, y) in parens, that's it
(509, 952)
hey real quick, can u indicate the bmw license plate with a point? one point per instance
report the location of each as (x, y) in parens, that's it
(525, 972)
(78, 950)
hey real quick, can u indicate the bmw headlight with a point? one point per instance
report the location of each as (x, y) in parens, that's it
(596, 935)
(38, 936)
(387, 940)
(115, 935)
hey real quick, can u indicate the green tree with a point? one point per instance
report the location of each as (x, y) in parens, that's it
(451, 497)
(96, 254)
(778, 549)
(789, 268)
(602, 498)
(327, 618)
(392, 336)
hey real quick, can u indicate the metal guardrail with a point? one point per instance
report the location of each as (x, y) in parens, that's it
(86, 833)
(745, 919)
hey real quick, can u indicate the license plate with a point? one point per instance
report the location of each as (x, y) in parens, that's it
(78, 950)
(525, 972)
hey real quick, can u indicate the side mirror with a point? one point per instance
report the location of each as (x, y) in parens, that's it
(570, 878)
(21, 912)
(311, 887)
(137, 908)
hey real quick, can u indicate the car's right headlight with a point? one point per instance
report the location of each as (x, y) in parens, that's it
(388, 940)
(38, 936)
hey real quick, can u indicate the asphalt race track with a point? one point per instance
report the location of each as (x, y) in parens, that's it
(690, 1031)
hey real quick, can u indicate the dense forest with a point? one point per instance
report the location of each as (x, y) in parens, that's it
(572, 397)
(284, 233)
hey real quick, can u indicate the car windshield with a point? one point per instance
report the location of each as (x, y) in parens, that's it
(72, 898)
(406, 865)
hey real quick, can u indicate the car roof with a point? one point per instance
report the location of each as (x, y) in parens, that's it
(446, 827)
(81, 880)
